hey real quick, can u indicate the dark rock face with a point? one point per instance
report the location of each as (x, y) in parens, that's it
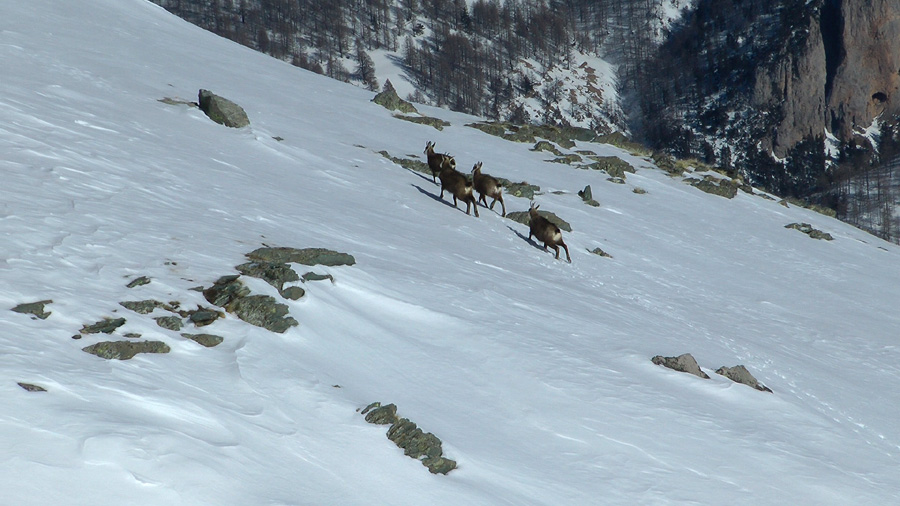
(141, 306)
(612, 165)
(305, 256)
(721, 187)
(143, 280)
(208, 340)
(169, 322)
(263, 311)
(223, 111)
(740, 374)
(420, 445)
(226, 290)
(31, 387)
(124, 350)
(682, 363)
(389, 99)
(808, 229)
(106, 326)
(34, 308)
(276, 274)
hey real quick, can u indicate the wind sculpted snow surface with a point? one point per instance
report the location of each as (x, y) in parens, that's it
(535, 373)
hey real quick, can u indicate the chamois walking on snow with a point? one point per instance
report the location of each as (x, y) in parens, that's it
(458, 186)
(487, 186)
(545, 231)
(437, 161)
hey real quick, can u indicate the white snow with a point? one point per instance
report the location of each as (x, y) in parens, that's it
(535, 373)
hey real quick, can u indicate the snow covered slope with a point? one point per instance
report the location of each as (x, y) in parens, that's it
(535, 373)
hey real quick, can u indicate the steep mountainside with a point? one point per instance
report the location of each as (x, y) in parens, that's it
(773, 87)
(193, 314)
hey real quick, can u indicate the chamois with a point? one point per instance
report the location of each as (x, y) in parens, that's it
(458, 186)
(545, 231)
(487, 186)
(437, 161)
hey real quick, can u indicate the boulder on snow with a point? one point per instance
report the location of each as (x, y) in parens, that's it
(682, 363)
(124, 350)
(274, 273)
(208, 340)
(305, 256)
(808, 229)
(34, 308)
(223, 111)
(106, 326)
(420, 445)
(587, 195)
(263, 311)
(389, 99)
(740, 374)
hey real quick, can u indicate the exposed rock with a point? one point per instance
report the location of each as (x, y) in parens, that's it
(638, 190)
(523, 218)
(293, 293)
(740, 374)
(226, 290)
(263, 311)
(389, 99)
(276, 274)
(312, 276)
(106, 326)
(141, 306)
(808, 229)
(681, 363)
(420, 445)
(208, 340)
(34, 308)
(600, 252)
(169, 322)
(143, 280)
(381, 415)
(722, 187)
(588, 197)
(305, 256)
(203, 317)
(32, 388)
(612, 165)
(124, 350)
(523, 190)
(547, 146)
(568, 159)
(223, 111)
(408, 163)
(436, 123)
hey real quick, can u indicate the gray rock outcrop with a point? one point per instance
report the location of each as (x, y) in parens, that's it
(420, 445)
(125, 350)
(682, 363)
(740, 374)
(389, 99)
(35, 309)
(222, 111)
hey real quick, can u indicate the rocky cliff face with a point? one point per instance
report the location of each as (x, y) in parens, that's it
(787, 73)
(866, 63)
(845, 76)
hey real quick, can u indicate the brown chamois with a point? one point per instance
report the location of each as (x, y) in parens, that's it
(437, 161)
(545, 231)
(487, 186)
(458, 186)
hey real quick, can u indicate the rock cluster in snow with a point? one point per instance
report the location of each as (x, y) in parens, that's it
(415, 443)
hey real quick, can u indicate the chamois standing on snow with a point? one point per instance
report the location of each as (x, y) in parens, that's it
(458, 186)
(487, 186)
(545, 231)
(437, 161)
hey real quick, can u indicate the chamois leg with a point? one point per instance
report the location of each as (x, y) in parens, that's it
(568, 258)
